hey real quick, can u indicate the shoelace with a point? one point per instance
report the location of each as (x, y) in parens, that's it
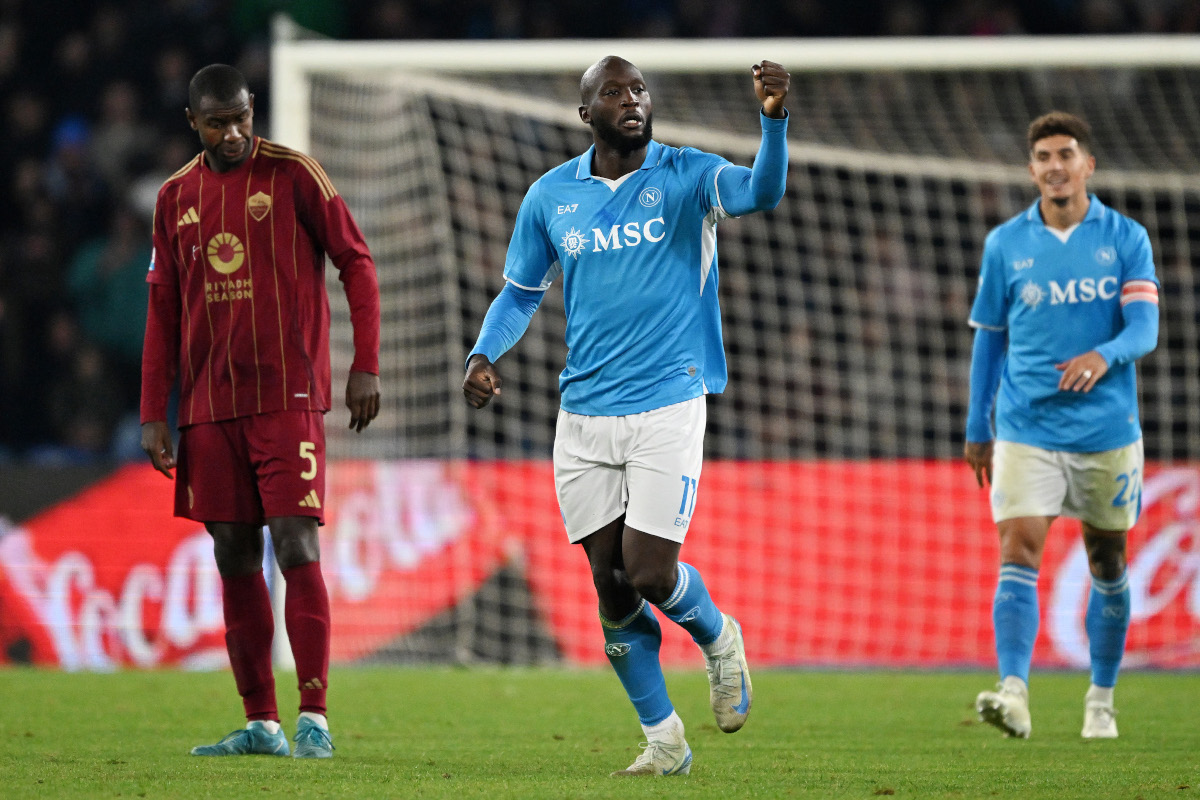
(650, 751)
(717, 673)
(314, 736)
(240, 733)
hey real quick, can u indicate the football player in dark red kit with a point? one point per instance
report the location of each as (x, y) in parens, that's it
(239, 315)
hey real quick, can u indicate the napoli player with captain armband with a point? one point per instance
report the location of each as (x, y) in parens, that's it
(631, 227)
(1067, 302)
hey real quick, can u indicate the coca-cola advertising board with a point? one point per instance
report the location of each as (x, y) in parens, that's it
(885, 564)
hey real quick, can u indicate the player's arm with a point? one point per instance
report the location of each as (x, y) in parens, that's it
(160, 350)
(506, 321)
(740, 190)
(987, 362)
(339, 235)
(1139, 313)
(989, 318)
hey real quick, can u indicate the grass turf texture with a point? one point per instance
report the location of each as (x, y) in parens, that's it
(488, 733)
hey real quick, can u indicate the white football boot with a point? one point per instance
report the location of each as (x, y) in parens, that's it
(665, 754)
(1007, 708)
(729, 689)
(1099, 717)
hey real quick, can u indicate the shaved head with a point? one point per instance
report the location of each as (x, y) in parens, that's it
(594, 75)
(219, 82)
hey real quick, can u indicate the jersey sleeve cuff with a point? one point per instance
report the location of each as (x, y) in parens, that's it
(772, 125)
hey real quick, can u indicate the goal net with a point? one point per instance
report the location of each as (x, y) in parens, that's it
(834, 511)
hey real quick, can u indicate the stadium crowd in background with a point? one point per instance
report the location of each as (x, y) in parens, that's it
(94, 92)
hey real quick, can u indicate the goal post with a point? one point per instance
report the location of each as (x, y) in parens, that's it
(835, 451)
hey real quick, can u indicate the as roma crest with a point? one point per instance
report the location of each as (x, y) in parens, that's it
(259, 205)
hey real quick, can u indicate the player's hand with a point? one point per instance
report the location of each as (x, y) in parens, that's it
(979, 456)
(362, 398)
(771, 83)
(156, 441)
(482, 381)
(1081, 372)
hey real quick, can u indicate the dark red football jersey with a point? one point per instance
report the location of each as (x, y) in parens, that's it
(238, 307)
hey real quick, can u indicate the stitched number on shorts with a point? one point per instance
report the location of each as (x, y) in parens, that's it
(1131, 489)
(689, 488)
(307, 452)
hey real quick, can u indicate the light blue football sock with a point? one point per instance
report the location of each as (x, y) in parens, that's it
(1015, 617)
(691, 607)
(632, 645)
(1107, 622)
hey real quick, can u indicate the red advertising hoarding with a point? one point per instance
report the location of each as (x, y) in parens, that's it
(887, 564)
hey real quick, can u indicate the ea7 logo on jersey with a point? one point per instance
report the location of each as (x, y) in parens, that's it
(568, 209)
(1022, 263)
(631, 234)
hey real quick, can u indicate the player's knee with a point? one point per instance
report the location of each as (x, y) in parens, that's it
(295, 541)
(609, 582)
(1021, 547)
(237, 555)
(655, 582)
(1106, 556)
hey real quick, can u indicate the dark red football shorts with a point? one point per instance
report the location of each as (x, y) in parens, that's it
(252, 468)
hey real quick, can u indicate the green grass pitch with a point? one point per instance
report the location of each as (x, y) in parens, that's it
(557, 733)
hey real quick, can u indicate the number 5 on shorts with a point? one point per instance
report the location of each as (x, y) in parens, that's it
(307, 453)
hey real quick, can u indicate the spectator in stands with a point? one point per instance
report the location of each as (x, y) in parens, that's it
(107, 282)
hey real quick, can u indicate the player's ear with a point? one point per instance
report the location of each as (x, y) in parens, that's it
(585, 115)
(251, 101)
(191, 118)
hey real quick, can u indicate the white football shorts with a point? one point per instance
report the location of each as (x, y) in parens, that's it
(1102, 489)
(645, 466)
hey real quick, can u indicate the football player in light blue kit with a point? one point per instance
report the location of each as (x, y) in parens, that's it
(1067, 302)
(631, 227)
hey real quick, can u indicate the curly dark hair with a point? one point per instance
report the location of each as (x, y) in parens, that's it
(1060, 123)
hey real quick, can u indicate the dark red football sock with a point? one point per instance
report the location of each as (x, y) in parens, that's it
(306, 614)
(249, 631)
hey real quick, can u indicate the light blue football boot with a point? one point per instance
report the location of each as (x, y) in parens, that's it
(254, 739)
(312, 741)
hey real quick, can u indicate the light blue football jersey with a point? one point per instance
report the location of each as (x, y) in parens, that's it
(1057, 300)
(639, 267)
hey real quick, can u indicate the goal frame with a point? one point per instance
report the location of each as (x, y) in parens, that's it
(293, 60)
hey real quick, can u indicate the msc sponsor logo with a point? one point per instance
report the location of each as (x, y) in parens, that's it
(1032, 294)
(631, 234)
(1084, 290)
(573, 243)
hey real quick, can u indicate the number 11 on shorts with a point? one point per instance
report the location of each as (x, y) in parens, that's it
(688, 503)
